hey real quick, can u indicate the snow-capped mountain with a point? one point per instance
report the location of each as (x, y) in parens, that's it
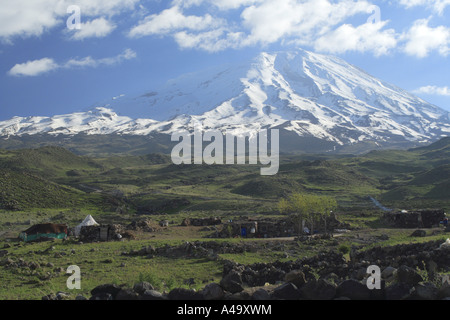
(309, 94)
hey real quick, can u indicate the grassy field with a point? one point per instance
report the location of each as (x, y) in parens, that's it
(51, 184)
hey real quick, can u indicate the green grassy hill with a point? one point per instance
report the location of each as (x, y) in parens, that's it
(53, 176)
(21, 190)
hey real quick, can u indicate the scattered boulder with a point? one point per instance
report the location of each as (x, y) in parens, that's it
(398, 291)
(243, 295)
(261, 295)
(318, 290)
(232, 282)
(184, 294)
(213, 291)
(419, 233)
(445, 245)
(409, 276)
(388, 274)
(62, 296)
(296, 277)
(354, 290)
(102, 296)
(152, 295)
(105, 289)
(141, 287)
(424, 291)
(287, 291)
(444, 290)
(126, 295)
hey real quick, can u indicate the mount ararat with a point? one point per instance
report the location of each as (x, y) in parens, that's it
(319, 102)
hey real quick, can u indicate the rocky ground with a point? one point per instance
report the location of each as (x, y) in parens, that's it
(409, 272)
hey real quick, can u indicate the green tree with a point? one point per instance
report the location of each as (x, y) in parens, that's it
(324, 207)
(310, 208)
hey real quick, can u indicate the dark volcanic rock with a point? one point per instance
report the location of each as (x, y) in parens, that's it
(318, 290)
(261, 295)
(296, 277)
(419, 233)
(354, 290)
(142, 287)
(408, 276)
(111, 289)
(102, 296)
(287, 291)
(398, 291)
(152, 295)
(232, 282)
(184, 294)
(127, 294)
(213, 291)
(424, 291)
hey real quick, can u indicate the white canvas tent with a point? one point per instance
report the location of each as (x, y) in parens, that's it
(88, 221)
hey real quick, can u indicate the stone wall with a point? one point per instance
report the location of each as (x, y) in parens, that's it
(415, 219)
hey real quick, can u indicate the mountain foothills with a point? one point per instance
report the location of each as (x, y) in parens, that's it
(53, 177)
(320, 102)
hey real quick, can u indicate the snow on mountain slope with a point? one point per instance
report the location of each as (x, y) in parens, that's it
(309, 94)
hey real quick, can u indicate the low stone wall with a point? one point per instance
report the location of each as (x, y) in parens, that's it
(415, 219)
(204, 222)
(326, 276)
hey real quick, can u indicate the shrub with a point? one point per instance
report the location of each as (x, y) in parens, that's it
(152, 279)
(344, 249)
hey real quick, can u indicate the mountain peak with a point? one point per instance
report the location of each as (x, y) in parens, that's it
(308, 94)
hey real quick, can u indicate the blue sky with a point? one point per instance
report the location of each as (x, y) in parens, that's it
(127, 46)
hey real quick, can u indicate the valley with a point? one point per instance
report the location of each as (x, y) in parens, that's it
(53, 185)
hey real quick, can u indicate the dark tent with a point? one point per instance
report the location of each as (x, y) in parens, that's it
(44, 231)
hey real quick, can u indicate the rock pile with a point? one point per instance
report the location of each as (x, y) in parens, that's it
(407, 285)
(145, 225)
(112, 232)
(89, 234)
(197, 249)
(413, 255)
(415, 219)
(205, 222)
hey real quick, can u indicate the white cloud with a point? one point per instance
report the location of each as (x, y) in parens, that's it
(97, 28)
(171, 20)
(27, 18)
(422, 39)
(263, 22)
(33, 68)
(38, 67)
(220, 4)
(436, 5)
(433, 90)
(128, 54)
(272, 20)
(368, 37)
(211, 41)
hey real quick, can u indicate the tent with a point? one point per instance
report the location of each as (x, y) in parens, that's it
(88, 221)
(44, 231)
